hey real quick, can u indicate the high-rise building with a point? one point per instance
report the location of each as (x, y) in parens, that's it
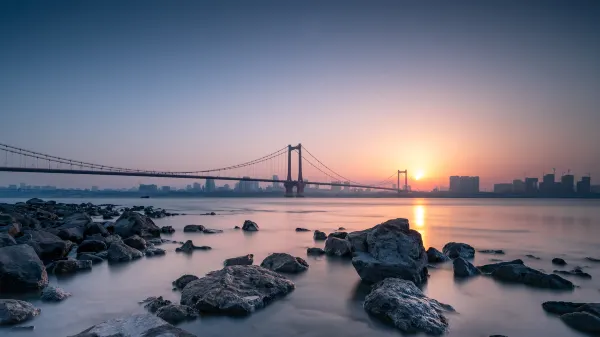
(336, 188)
(548, 184)
(148, 188)
(209, 186)
(584, 186)
(276, 185)
(454, 184)
(464, 184)
(94, 188)
(197, 187)
(567, 183)
(165, 188)
(346, 187)
(503, 188)
(518, 186)
(531, 185)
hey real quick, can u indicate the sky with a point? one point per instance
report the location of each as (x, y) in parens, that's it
(499, 89)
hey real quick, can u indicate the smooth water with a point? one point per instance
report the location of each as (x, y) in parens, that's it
(328, 297)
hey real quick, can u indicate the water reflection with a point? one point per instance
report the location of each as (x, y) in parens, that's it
(418, 221)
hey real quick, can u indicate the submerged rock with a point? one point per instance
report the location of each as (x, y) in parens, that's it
(245, 260)
(389, 249)
(584, 317)
(458, 249)
(519, 273)
(193, 228)
(175, 314)
(558, 261)
(212, 231)
(319, 236)
(250, 226)
(235, 290)
(16, 311)
(337, 247)
(574, 272)
(284, 263)
(21, 269)
(189, 247)
(120, 252)
(154, 251)
(300, 229)
(592, 259)
(144, 325)
(182, 281)
(54, 294)
(156, 303)
(464, 268)
(489, 268)
(314, 251)
(435, 256)
(492, 251)
(402, 304)
(532, 257)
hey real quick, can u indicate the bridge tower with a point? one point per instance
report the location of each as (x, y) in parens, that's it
(289, 183)
(405, 172)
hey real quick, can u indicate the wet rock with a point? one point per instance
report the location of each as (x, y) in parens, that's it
(584, 317)
(489, 268)
(153, 251)
(464, 268)
(389, 249)
(341, 229)
(135, 242)
(560, 308)
(155, 242)
(532, 257)
(519, 273)
(77, 220)
(23, 328)
(245, 260)
(120, 252)
(64, 267)
(193, 228)
(300, 229)
(103, 255)
(284, 263)
(211, 231)
(182, 281)
(132, 223)
(236, 227)
(592, 259)
(492, 251)
(236, 290)
(144, 325)
(574, 272)
(319, 236)
(339, 235)
(250, 226)
(21, 269)
(315, 251)
(167, 229)
(458, 249)
(337, 247)
(175, 314)
(91, 246)
(95, 228)
(435, 256)
(189, 247)
(9, 225)
(15, 311)
(54, 294)
(400, 303)
(90, 257)
(6, 240)
(74, 234)
(35, 202)
(558, 261)
(112, 239)
(156, 304)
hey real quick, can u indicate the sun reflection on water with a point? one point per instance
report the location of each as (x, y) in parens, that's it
(418, 222)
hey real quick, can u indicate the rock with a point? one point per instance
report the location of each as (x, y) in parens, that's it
(74, 234)
(132, 223)
(15, 311)
(341, 229)
(77, 220)
(558, 261)
(245, 260)
(435, 256)
(175, 314)
(64, 267)
(112, 239)
(90, 257)
(250, 226)
(120, 252)
(21, 269)
(561, 308)
(182, 281)
(489, 268)
(492, 251)
(155, 242)
(189, 247)
(464, 268)
(35, 202)
(402, 304)
(54, 294)
(47, 245)
(339, 235)
(153, 251)
(95, 228)
(103, 255)
(6, 240)
(23, 328)
(284, 263)
(144, 325)
(457, 249)
(592, 259)
(236, 227)
(532, 257)
(337, 247)
(212, 231)
(315, 251)
(9, 225)
(300, 229)
(389, 249)
(519, 273)
(235, 290)
(582, 321)
(167, 229)
(91, 246)
(156, 304)
(319, 236)
(193, 228)
(135, 242)
(574, 272)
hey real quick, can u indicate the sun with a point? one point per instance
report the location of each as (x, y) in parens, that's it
(419, 175)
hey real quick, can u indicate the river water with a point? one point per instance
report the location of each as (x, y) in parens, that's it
(328, 297)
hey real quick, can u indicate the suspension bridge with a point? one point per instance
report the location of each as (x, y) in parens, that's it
(266, 169)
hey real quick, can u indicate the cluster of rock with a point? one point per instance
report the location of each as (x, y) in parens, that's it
(584, 317)
(200, 229)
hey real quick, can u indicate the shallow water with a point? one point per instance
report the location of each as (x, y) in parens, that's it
(328, 297)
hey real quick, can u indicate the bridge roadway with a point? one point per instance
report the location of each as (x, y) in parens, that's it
(166, 175)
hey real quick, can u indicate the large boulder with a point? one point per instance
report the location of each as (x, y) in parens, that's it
(284, 263)
(35, 202)
(95, 228)
(193, 228)
(21, 269)
(132, 223)
(249, 226)
(54, 294)
(64, 267)
(339, 235)
(175, 314)
(435, 256)
(79, 219)
(167, 229)
(183, 281)
(154, 251)
(518, 273)
(144, 325)
(9, 225)
(15, 311)
(47, 245)
(245, 260)
(400, 303)
(235, 290)
(136, 242)
(337, 247)
(489, 268)
(6, 240)
(584, 317)
(74, 234)
(390, 249)
(464, 268)
(91, 246)
(319, 236)
(120, 252)
(458, 249)
(559, 261)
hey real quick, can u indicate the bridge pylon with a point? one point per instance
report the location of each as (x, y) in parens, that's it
(289, 183)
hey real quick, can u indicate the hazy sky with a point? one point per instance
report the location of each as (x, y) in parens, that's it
(491, 88)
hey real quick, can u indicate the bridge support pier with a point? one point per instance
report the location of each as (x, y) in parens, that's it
(289, 188)
(300, 189)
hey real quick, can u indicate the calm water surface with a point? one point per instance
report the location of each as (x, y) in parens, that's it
(328, 297)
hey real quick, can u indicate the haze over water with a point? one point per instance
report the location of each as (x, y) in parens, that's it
(328, 297)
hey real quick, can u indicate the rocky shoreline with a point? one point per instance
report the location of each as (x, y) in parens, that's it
(38, 238)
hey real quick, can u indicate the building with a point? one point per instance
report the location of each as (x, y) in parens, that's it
(246, 186)
(165, 188)
(503, 188)
(94, 188)
(454, 184)
(12, 187)
(148, 188)
(209, 186)
(464, 184)
(197, 187)
(336, 188)
(547, 185)
(276, 185)
(584, 186)
(518, 186)
(531, 185)
(346, 186)
(567, 183)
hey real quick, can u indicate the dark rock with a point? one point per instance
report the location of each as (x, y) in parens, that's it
(193, 228)
(561, 308)
(284, 263)
(400, 303)
(64, 267)
(153, 251)
(135, 242)
(240, 260)
(337, 246)
(236, 227)
(582, 321)
(155, 242)
(9, 225)
(74, 234)
(145, 325)
(90, 257)
(54, 294)
(95, 228)
(389, 249)
(35, 202)
(532, 257)
(21, 269)
(120, 252)
(212, 231)
(132, 223)
(103, 255)
(341, 229)
(91, 246)
(339, 235)
(315, 251)
(156, 304)
(592, 259)
(181, 282)
(112, 239)
(492, 251)
(189, 247)
(300, 229)
(167, 229)
(464, 268)
(15, 311)
(77, 220)
(23, 328)
(574, 272)
(558, 261)
(175, 314)
(519, 273)
(319, 236)
(435, 256)
(6, 240)
(250, 226)
(457, 249)
(489, 268)
(235, 290)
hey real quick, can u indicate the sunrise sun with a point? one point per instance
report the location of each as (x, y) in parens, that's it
(419, 175)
